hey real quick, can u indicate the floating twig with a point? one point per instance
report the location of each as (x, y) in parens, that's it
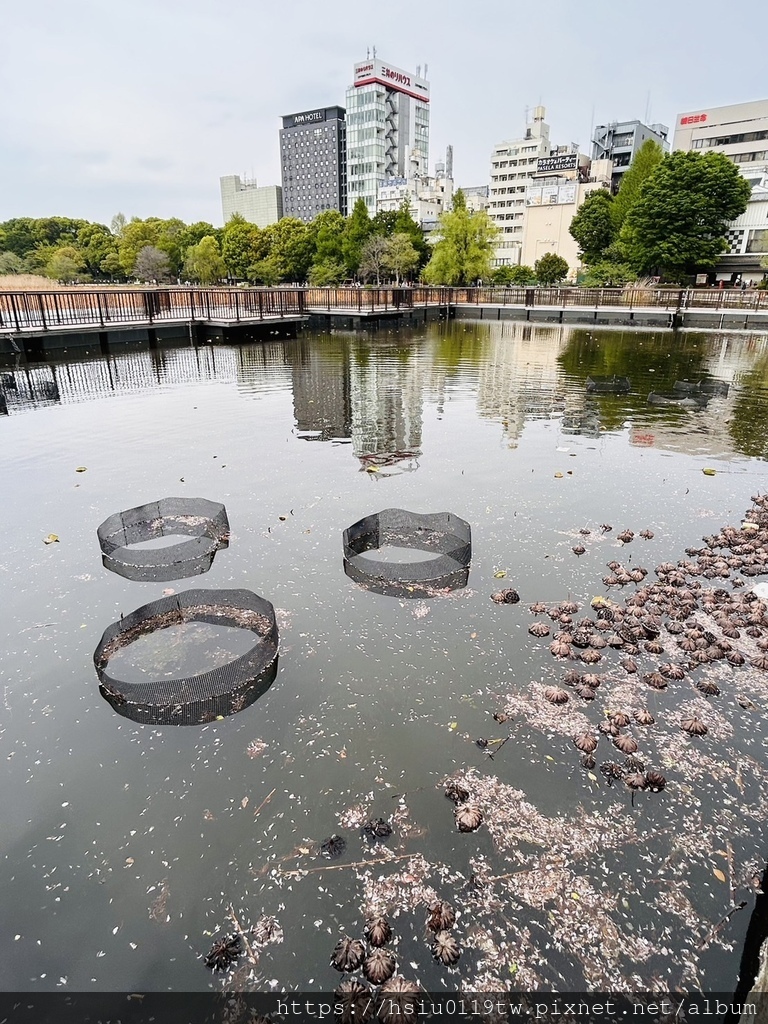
(264, 802)
(723, 920)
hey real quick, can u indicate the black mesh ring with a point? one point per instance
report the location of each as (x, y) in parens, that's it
(222, 691)
(205, 522)
(442, 534)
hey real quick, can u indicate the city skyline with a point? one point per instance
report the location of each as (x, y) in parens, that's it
(142, 116)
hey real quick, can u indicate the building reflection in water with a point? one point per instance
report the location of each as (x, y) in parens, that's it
(370, 390)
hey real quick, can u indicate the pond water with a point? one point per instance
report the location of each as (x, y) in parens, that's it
(126, 845)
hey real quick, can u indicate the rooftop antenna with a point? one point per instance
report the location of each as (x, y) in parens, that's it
(648, 107)
(418, 70)
(426, 69)
(368, 53)
(374, 53)
(592, 135)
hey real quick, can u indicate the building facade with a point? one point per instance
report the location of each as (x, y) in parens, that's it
(313, 160)
(427, 197)
(619, 142)
(387, 129)
(513, 167)
(260, 205)
(556, 192)
(740, 132)
(747, 241)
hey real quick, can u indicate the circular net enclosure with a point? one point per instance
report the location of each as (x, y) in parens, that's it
(442, 535)
(206, 696)
(204, 522)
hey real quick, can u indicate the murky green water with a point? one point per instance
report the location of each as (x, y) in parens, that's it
(124, 845)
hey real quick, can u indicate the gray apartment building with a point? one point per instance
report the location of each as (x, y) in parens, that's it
(313, 158)
(619, 141)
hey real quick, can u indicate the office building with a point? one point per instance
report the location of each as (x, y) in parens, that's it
(513, 166)
(387, 128)
(427, 197)
(313, 159)
(557, 190)
(476, 197)
(740, 131)
(620, 141)
(261, 205)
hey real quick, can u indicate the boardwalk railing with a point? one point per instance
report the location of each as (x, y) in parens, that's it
(117, 307)
(105, 308)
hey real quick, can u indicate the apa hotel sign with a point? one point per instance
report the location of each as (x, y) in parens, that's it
(309, 117)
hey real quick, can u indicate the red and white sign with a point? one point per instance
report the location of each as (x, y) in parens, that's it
(693, 119)
(391, 77)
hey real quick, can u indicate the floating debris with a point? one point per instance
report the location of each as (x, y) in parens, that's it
(643, 717)
(469, 817)
(694, 726)
(333, 847)
(399, 1000)
(377, 828)
(441, 916)
(379, 966)
(585, 742)
(378, 931)
(355, 1000)
(636, 781)
(507, 596)
(224, 953)
(539, 629)
(446, 949)
(348, 954)
(556, 695)
(655, 781)
(456, 792)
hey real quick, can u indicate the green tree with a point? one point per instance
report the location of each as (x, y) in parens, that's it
(327, 272)
(328, 264)
(111, 266)
(357, 229)
(647, 159)
(66, 264)
(401, 256)
(406, 225)
(10, 263)
(203, 261)
(463, 251)
(384, 223)
(550, 269)
(677, 226)
(18, 236)
(135, 236)
(522, 275)
(151, 264)
(288, 250)
(607, 274)
(95, 242)
(593, 226)
(242, 245)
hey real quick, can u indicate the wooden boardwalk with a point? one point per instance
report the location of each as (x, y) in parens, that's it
(112, 309)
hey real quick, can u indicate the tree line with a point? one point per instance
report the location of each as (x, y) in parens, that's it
(668, 219)
(328, 250)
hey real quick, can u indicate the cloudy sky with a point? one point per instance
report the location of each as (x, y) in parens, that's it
(140, 107)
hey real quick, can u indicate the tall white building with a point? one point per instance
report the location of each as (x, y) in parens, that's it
(513, 164)
(387, 129)
(260, 205)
